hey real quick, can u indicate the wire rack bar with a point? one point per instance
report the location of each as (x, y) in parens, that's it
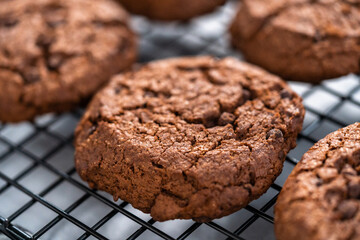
(188, 231)
(224, 231)
(251, 220)
(52, 207)
(59, 217)
(140, 230)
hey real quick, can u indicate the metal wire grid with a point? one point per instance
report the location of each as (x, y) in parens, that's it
(42, 197)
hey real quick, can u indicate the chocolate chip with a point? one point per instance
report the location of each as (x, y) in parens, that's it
(246, 95)
(55, 16)
(8, 22)
(345, 9)
(54, 62)
(347, 209)
(281, 155)
(90, 39)
(319, 182)
(117, 90)
(226, 118)
(354, 158)
(348, 170)
(53, 7)
(285, 94)
(337, 162)
(144, 116)
(123, 45)
(6, 53)
(186, 68)
(242, 129)
(334, 196)
(258, 105)
(43, 40)
(101, 24)
(317, 37)
(252, 178)
(32, 75)
(354, 189)
(156, 165)
(274, 133)
(150, 93)
(55, 23)
(215, 77)
(92, 129)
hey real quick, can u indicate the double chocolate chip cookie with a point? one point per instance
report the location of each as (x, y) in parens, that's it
(321, 197)
(188, 138)
(302, 40)
(171, 9)
(55, 54)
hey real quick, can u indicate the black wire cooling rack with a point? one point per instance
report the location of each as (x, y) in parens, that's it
(42, 197)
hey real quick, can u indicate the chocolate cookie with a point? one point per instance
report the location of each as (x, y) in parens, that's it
(321, 197)
(171, 9)
(188, 138)
(302, 40)
(56, 53)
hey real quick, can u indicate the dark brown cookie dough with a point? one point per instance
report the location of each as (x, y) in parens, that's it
(188, 138)
(57, 53)
(171, 9)
(321, 197)
(303, 40)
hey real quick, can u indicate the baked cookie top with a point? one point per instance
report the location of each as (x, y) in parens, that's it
(191, 137)
(55, 53)
(321, 197)
(302, 40)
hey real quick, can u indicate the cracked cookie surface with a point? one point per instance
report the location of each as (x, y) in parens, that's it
(171, 9)
(302, 40)
(321, 197)
(188, 138)
(55, 54)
